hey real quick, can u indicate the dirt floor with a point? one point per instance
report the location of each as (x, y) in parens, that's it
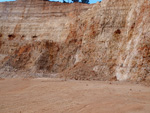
(58, 96)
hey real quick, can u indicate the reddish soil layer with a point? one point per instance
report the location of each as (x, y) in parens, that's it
(58, 96)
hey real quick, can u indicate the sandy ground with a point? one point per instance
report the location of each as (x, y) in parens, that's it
(57, 96)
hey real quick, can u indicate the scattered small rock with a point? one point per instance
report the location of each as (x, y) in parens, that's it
(130, 89)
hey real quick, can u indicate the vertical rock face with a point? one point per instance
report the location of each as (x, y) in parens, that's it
(134, 59)
(112, 37)
(103, 41)
(39, 18)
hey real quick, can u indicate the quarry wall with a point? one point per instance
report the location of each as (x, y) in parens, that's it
(105, 41)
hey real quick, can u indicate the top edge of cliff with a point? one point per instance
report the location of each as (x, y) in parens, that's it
(56, 2)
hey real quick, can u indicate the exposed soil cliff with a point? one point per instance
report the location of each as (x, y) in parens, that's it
(105, 41)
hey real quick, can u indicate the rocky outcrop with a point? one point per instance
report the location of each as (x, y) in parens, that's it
(104, 41)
